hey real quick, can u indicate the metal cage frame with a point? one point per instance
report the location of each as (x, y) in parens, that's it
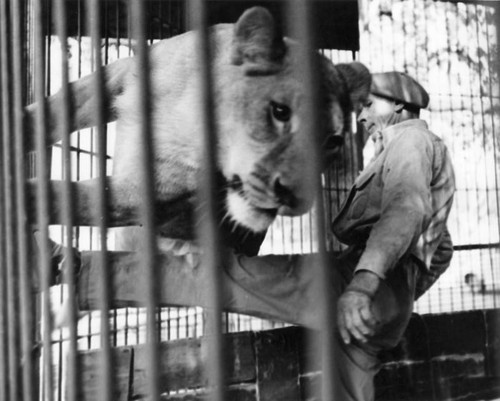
(23, 315)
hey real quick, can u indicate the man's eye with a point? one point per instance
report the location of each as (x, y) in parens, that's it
(281, 112)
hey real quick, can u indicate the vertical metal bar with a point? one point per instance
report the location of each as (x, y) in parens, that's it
(4, 336)
(42, 195)
(81, 19)
(94, 20)
(476, 126)
(480, 25)
(107, 29)
(448, 84)
(485, 110)
(147, 210)
(72, 376)
(5, 102)
(26, 296)
(9, 204)
(299, 17)
(3, 298)
(209, 232)
(494, 60)
(4, 360)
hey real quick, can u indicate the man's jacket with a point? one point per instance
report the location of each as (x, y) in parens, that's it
(399, 204)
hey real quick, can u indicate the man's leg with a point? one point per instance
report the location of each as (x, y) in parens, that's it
(393, 304)
(356, 368)
(276, 287)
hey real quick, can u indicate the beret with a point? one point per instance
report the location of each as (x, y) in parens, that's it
(400, 87)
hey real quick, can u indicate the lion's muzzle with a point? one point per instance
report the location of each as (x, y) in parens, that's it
(268, 194)
(257, 200)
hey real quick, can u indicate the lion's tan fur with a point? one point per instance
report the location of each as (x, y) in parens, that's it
(263, 155)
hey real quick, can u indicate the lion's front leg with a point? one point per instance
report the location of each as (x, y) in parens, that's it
(124, 200)
(121, 209)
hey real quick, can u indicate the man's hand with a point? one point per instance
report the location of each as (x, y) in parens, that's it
(355, 315)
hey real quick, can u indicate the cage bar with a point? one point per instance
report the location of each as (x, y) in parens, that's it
(43, 203)
(147, 210)
(9, 204)
(208, 232)
(299, 19)
(25, 293)
(4, 357)
(106, 368)
(69, 275)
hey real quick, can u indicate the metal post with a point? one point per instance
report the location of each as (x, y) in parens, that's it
(4, 323)
(299, 18)
(42, 172)
(209, 232)
(9, 204)
(25, 290)
(147, 210)
(69, 273)
(94, 20)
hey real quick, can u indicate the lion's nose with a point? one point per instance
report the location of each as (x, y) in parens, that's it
(284, 194)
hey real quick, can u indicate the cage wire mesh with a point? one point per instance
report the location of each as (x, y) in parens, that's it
(450, 47)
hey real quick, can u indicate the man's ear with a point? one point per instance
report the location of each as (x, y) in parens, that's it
(258, 42)
(358, 81)
(398, 107)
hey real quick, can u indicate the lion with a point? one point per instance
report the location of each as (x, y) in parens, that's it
(264, 160)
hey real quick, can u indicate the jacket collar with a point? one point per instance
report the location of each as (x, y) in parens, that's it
(389, 133)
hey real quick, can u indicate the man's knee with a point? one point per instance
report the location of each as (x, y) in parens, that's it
(356, 369)
(394, 305)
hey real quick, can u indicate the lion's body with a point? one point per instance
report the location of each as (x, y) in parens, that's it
(262, 129)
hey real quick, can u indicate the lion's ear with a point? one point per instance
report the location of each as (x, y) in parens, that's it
(358, 81)
(258, 42)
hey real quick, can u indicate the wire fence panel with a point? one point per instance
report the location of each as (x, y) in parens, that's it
(452, 49)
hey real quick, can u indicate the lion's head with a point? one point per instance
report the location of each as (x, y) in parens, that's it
(263, 126)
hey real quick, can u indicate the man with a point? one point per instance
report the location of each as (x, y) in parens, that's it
(395, 217)
(394, 221)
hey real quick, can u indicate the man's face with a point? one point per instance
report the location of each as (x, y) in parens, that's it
(378, 113)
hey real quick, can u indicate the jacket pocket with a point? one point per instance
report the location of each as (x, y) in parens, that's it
(361, 197)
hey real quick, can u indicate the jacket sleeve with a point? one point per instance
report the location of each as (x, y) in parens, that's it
(406, 204)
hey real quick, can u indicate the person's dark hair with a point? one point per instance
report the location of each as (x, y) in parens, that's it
(412, 109)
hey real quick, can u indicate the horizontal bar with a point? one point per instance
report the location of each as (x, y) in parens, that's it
(471, 247)
(82, 151)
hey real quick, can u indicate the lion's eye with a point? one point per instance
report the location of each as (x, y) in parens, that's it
(333, 141)
(281, 112)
